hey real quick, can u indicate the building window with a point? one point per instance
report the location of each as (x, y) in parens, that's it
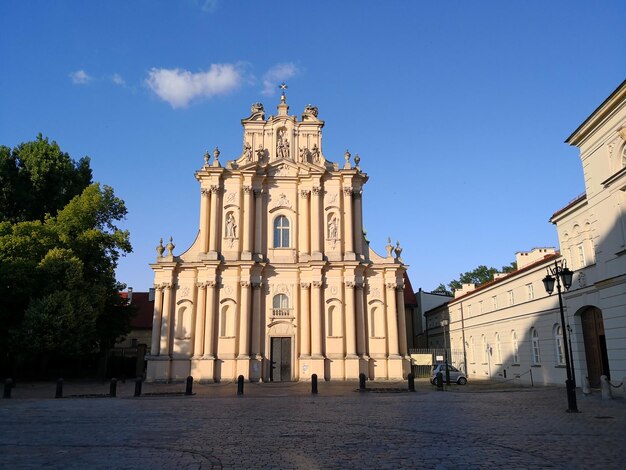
(469, 310)
(530, 291)
(480, 306)
(280, 306)
(581, 256)
(536, 351)
(483, 341)
(515, 347)
(494, 302)
(558, 343)
(281, 232)
(471, 350)
(498, 350)
(511, 298)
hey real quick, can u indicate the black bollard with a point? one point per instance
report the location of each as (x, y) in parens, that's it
(189, 386)
(59, 391)
(240, 385)
(314, 384)
(138, 384)
(439, 381)
(8, 385)
(411, 383)
(113, 388)
(361, 381)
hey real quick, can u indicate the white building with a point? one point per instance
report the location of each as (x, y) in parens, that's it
(280, 282)
(510, 327)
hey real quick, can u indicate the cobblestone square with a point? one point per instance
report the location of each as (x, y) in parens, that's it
(284, 426)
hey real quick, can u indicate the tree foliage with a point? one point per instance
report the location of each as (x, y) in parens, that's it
(58, 292)
(478, 276)
(38, 178)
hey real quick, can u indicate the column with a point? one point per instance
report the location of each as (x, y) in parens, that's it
(350, 324)
(166, 320)
(304, 231)
(244, 321)
(360, 321)
(248, 222)
(305, 319)
(348, 224)
(317, 327)
(198, 339)
(392, 319)
(316, 241)
(214, 225)
(204, 220)
(156, 320)
(209, 324)
(258, 221)
(255, 343)
(358, 222)
(402, 335)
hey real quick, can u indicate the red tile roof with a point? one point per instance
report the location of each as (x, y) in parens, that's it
(409, 294)
(145, 309)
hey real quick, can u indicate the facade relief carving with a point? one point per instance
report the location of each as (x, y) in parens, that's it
(282, 145)
(282, 201)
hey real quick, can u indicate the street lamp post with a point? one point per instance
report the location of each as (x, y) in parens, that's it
(445, 322)
(561, 273)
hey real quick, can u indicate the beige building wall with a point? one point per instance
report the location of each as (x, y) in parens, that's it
(280, 283)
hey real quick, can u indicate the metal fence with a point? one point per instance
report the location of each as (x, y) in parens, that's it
(423, 359)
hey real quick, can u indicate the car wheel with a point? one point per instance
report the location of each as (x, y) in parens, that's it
(462, 381)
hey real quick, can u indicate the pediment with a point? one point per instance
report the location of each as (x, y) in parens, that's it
(283, 168)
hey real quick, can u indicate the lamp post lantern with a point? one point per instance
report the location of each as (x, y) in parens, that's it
(445, 322)
(557, 274)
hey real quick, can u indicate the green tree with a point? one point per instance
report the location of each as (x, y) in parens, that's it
(479, 276)
(38, 178)
(58, 292)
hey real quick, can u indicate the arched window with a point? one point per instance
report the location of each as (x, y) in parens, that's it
(281, 232)
(498, 349)
(558, 344)
(280, 305)
(515, 347)
(536, 351)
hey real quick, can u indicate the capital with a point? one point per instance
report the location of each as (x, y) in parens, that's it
(244, 284)
(247, 189)
(347, 192)
(317, 284)
(317, 190)
(391, 285)
(305, 285)
(214, 189)
(350, 284)
(305, 193)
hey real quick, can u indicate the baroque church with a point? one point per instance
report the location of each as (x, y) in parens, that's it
(280, 282)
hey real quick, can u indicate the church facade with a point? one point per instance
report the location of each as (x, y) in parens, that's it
(280, 282)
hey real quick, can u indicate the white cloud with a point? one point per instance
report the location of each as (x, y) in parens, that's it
(80, 77)
(179, 87)
(278, 73)
(207, 6)
(118, 80)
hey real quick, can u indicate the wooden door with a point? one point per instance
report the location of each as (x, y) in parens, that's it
(280, 360)
(595, 346)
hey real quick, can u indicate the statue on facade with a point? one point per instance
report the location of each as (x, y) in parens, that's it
(231, 226)
(303, 154)
(315, 154)
(333, 229)
(310, 113)
(247, 152)
(260, 153)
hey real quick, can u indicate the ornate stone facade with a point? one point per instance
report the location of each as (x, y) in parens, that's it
(280, 282)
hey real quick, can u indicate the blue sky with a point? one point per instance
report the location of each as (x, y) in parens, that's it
(457, 109)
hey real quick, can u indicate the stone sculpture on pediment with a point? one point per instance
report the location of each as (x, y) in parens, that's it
(315, 154)
(257, 112)
(310, 113)
(283, 201)
(303, 154)
(247, 152)
(261, 153)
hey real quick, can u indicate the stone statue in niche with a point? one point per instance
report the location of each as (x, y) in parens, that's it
(231, 226)
(333, 228)
(260, 153)
(315, 154)
(247, 152)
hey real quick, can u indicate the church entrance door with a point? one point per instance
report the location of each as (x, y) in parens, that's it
(280, 360)
(595, 345)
